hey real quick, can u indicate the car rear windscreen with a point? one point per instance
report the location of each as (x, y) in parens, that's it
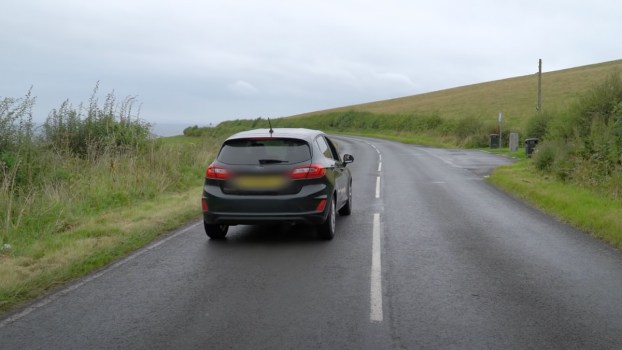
(264, 151)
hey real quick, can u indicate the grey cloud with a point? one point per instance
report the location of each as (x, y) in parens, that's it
(206, 61)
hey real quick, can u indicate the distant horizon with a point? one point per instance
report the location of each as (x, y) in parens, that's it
(171, 129)
(159, 129)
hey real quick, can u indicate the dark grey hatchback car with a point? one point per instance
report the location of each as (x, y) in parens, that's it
(270, 176)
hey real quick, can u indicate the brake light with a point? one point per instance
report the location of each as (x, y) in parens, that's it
(216, 172)
(312, 171)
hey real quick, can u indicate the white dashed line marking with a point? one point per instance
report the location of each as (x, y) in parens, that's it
(376, 273)
(376, 313)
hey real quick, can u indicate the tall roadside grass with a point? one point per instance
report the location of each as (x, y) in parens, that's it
(595, 213)
(89, 187)
(576, 171)
(583, 144)
(17, 150)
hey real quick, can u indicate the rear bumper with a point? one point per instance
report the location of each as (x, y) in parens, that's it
(265, 209)
(313, 218)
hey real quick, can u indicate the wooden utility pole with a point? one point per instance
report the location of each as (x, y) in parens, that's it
(539, 106)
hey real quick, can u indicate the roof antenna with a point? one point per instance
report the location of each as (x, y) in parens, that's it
(271, 131)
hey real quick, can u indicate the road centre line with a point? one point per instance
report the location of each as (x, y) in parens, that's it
(373, 146)
(376, 313)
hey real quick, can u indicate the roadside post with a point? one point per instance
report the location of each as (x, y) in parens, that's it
(500, 133)
(513, 142)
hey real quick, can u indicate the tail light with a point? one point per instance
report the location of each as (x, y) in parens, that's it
(217, 172)
(312, 171)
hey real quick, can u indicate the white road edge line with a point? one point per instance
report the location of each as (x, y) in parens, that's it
(380, 167)
(378, 187)
(376, 273)
(50, 298)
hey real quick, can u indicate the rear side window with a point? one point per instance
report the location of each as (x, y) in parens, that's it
(321, 143)
(264, 151)
(327, 148)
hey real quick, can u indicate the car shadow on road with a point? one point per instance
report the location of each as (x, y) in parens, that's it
(271, 234)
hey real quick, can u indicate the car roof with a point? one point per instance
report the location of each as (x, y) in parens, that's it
(296, 133)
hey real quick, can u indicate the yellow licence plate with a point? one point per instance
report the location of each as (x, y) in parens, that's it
(259, 182)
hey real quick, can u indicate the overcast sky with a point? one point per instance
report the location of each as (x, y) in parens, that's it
(191, 61)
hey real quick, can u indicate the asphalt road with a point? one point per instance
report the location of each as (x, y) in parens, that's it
(431, 257)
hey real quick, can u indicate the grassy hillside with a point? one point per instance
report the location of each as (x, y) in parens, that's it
(463, 116)
(515, 97)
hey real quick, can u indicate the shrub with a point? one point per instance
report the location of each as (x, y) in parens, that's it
(428, 122)
(544, 156)
(95, 130)
(192, 131)
(584, 144)
(16, 128)
(469, 131)
(614, 184)
(602, 102)
(17, 140)
(555, 157)
(538, 125)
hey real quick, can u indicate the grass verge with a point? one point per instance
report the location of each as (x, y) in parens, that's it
(598, 215)
(92, 243)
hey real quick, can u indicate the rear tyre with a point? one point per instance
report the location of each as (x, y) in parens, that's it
(215, 231)
(347, 208)
(326, 230)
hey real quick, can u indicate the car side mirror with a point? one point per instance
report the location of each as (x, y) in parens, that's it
(347, 158)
